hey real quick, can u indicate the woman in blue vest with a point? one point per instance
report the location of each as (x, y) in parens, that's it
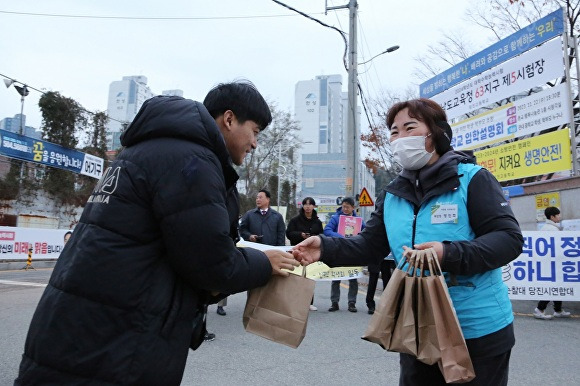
(441, 200)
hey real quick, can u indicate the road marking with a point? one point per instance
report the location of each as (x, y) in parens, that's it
(24, 283)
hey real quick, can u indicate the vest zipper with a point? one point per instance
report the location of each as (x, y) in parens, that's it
(416, 211)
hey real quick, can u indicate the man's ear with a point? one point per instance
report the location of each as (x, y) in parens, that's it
(229, 117)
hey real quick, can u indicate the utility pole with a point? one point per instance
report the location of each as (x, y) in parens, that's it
(353, 130)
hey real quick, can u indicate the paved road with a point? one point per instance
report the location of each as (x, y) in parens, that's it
(546, 353)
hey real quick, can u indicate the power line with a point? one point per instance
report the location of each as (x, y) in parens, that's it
(44, 93)
(157, 18)
(342, 33)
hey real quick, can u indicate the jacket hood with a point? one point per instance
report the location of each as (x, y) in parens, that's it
(176, 117)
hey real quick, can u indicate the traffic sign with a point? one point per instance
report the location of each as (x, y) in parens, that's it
(365, 198)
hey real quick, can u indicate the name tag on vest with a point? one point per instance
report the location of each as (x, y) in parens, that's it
(444, 214)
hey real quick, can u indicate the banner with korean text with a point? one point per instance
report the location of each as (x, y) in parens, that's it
(543, 154)
(543, 110)
(524, 72)
(46, 153)
(15, 243)
(541, 31)
(315, 271)
(547, 269)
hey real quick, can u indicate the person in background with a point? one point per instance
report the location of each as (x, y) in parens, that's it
(263, 224)
(443, 200)
(304, 225)
(331, 230)
(154, 246)
(385, 269)
(67, 236)
(552, 224)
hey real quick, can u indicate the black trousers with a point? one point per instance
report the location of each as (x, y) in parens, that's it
(492, 371)
(385, 268)
(542, 304)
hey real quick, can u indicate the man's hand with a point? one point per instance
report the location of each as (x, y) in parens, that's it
(308, 251)
(281, 260)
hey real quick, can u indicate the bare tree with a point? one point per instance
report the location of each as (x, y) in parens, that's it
(272, 160)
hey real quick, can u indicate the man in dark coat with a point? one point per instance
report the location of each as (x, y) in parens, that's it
(154, 245)
(263, 224)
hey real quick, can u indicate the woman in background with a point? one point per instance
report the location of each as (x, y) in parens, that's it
(304, 225)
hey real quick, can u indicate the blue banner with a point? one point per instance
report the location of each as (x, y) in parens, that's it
(34, 150)
(533, 35)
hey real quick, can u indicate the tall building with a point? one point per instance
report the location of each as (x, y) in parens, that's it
(125, 99)
(321, 107)
(14, 125)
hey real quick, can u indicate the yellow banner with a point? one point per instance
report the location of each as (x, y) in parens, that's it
(321, 271)
(547, 153)
(545, 200)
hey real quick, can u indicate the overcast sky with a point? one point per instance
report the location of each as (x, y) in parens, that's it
(254, 39)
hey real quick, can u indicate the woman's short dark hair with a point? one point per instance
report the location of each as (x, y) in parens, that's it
(308, 200)
(430, 113)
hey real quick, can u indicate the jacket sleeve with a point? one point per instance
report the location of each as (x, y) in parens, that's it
(498, 239)
(245, 226)
(292, 232)
(369, 246)
(281, 230)
(190, 206)
(330, 230)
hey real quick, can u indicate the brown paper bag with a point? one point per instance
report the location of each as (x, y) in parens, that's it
(455, 363)
(404, 339)
(428, 345)
(382, 323)
(279, 310)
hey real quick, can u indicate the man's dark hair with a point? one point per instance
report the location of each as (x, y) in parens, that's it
(431, 114)
(242, 98)
(551, 211)
(267, 193)
(348, 200)
(308, 200)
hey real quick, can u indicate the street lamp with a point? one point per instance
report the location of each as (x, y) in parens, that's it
(23, 91)
(390, 49)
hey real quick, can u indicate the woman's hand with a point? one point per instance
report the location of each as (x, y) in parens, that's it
(308, 251)
(436, 245)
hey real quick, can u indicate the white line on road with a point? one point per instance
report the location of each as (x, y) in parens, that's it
(11, 282)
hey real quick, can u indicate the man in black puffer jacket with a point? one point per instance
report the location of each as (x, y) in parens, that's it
(154, 245)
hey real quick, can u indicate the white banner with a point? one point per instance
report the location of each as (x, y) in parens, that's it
(92, 166)
(528, 70)
(547, 269)
(45, 243)
(540, 111)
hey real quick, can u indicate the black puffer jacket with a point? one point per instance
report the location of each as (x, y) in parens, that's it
(300, 223)
(155, 238)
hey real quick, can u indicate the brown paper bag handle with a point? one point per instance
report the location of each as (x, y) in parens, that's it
(303, 271)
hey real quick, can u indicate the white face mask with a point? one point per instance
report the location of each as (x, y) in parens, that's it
(410, 152)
